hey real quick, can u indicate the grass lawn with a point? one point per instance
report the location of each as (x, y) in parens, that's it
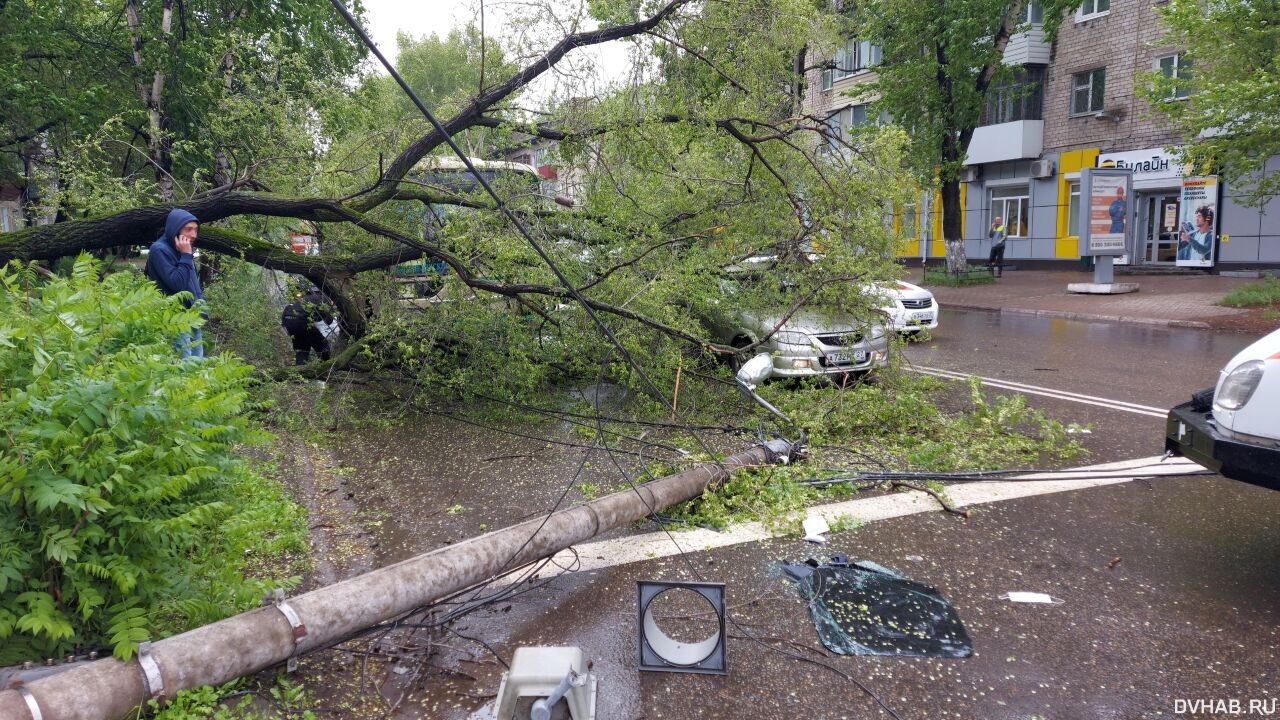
(1257, 294)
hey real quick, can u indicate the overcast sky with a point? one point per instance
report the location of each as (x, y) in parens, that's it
(607, 64)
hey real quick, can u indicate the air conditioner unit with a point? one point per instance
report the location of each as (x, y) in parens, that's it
(971, 174)
(1042, 169)
(1112, 114)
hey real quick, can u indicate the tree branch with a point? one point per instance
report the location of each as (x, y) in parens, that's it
(469, 115)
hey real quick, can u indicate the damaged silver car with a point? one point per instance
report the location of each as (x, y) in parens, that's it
(808, 344)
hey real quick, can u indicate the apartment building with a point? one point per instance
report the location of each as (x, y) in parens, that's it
(1070, 105)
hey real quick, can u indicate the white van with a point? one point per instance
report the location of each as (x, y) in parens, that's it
(1235, 430)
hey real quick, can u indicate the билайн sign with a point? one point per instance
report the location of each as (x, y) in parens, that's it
(1149, 164)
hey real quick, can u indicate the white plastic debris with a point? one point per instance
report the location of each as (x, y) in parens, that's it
(814, 527)
(1031, 597)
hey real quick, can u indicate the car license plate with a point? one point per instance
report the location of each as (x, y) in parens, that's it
(844, 358)
(922, 316)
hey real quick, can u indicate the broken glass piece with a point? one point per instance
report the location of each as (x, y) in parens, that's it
(868, 609)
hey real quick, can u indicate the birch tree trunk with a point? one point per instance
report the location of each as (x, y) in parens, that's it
(952, 230)
(151, 94)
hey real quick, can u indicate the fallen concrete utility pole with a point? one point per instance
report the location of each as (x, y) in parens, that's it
(215, 654)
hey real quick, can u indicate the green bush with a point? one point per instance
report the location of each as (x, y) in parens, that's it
(124, 511)
(242, 316)
(1256, 294)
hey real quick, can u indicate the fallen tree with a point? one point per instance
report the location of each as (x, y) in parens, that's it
(767, 148)
(138, 226)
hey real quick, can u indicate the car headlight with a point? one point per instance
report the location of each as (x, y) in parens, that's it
(1239, 385)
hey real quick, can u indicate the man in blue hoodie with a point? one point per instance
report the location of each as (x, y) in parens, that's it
(171, 266)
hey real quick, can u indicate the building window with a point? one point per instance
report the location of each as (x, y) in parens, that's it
(1093, 8)
(1020, 97)
(1073, 209)
(826, 79)
(1013, 206)
(909, 228)
(842, 123)
(1178, 68)
(854, 57)
(1087, 91)
(1033, 12)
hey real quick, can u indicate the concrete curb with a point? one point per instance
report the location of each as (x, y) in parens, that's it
(1085, 317)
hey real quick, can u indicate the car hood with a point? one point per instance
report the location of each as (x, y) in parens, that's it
(897, 290)
(807, 322)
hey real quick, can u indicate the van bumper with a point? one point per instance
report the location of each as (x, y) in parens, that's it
(1193, 435)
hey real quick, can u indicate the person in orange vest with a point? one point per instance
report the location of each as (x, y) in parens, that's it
(997, 236)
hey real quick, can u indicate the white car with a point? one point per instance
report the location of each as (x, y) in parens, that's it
(1236, 430)
(910, 307)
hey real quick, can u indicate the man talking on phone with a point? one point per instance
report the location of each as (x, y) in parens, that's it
(171, 265)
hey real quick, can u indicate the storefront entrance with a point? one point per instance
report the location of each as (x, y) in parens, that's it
(1158, 213)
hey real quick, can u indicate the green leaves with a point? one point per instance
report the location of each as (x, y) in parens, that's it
(124, 509)
(1231, 116)
(60, 546)
(43, 617)
(128, 628)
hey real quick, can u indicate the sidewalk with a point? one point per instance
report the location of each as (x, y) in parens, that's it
(1171, 301)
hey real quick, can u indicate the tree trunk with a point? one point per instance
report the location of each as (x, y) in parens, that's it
(952, 232)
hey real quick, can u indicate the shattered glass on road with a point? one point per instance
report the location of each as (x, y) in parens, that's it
(867, 609)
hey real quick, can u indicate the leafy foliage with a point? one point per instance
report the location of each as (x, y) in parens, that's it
(124, 511)
(899, 422)
(242, 316)
(936, 55)
(1233, 110)
(1256, 294)
(235, 75)
(238, 700)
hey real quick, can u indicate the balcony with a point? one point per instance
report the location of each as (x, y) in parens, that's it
(1017, 140)
(1027, 48)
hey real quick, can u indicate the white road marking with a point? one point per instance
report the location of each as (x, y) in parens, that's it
(1108, 403)
(636, 548)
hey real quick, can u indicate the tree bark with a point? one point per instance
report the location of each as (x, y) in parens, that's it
(151, 90)
(952, 209)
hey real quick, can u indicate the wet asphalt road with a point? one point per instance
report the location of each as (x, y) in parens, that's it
(1170, 588)
(1147, 365)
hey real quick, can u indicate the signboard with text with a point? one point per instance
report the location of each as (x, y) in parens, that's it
(1198, 222)
(1150, 164)
(1104, 211)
